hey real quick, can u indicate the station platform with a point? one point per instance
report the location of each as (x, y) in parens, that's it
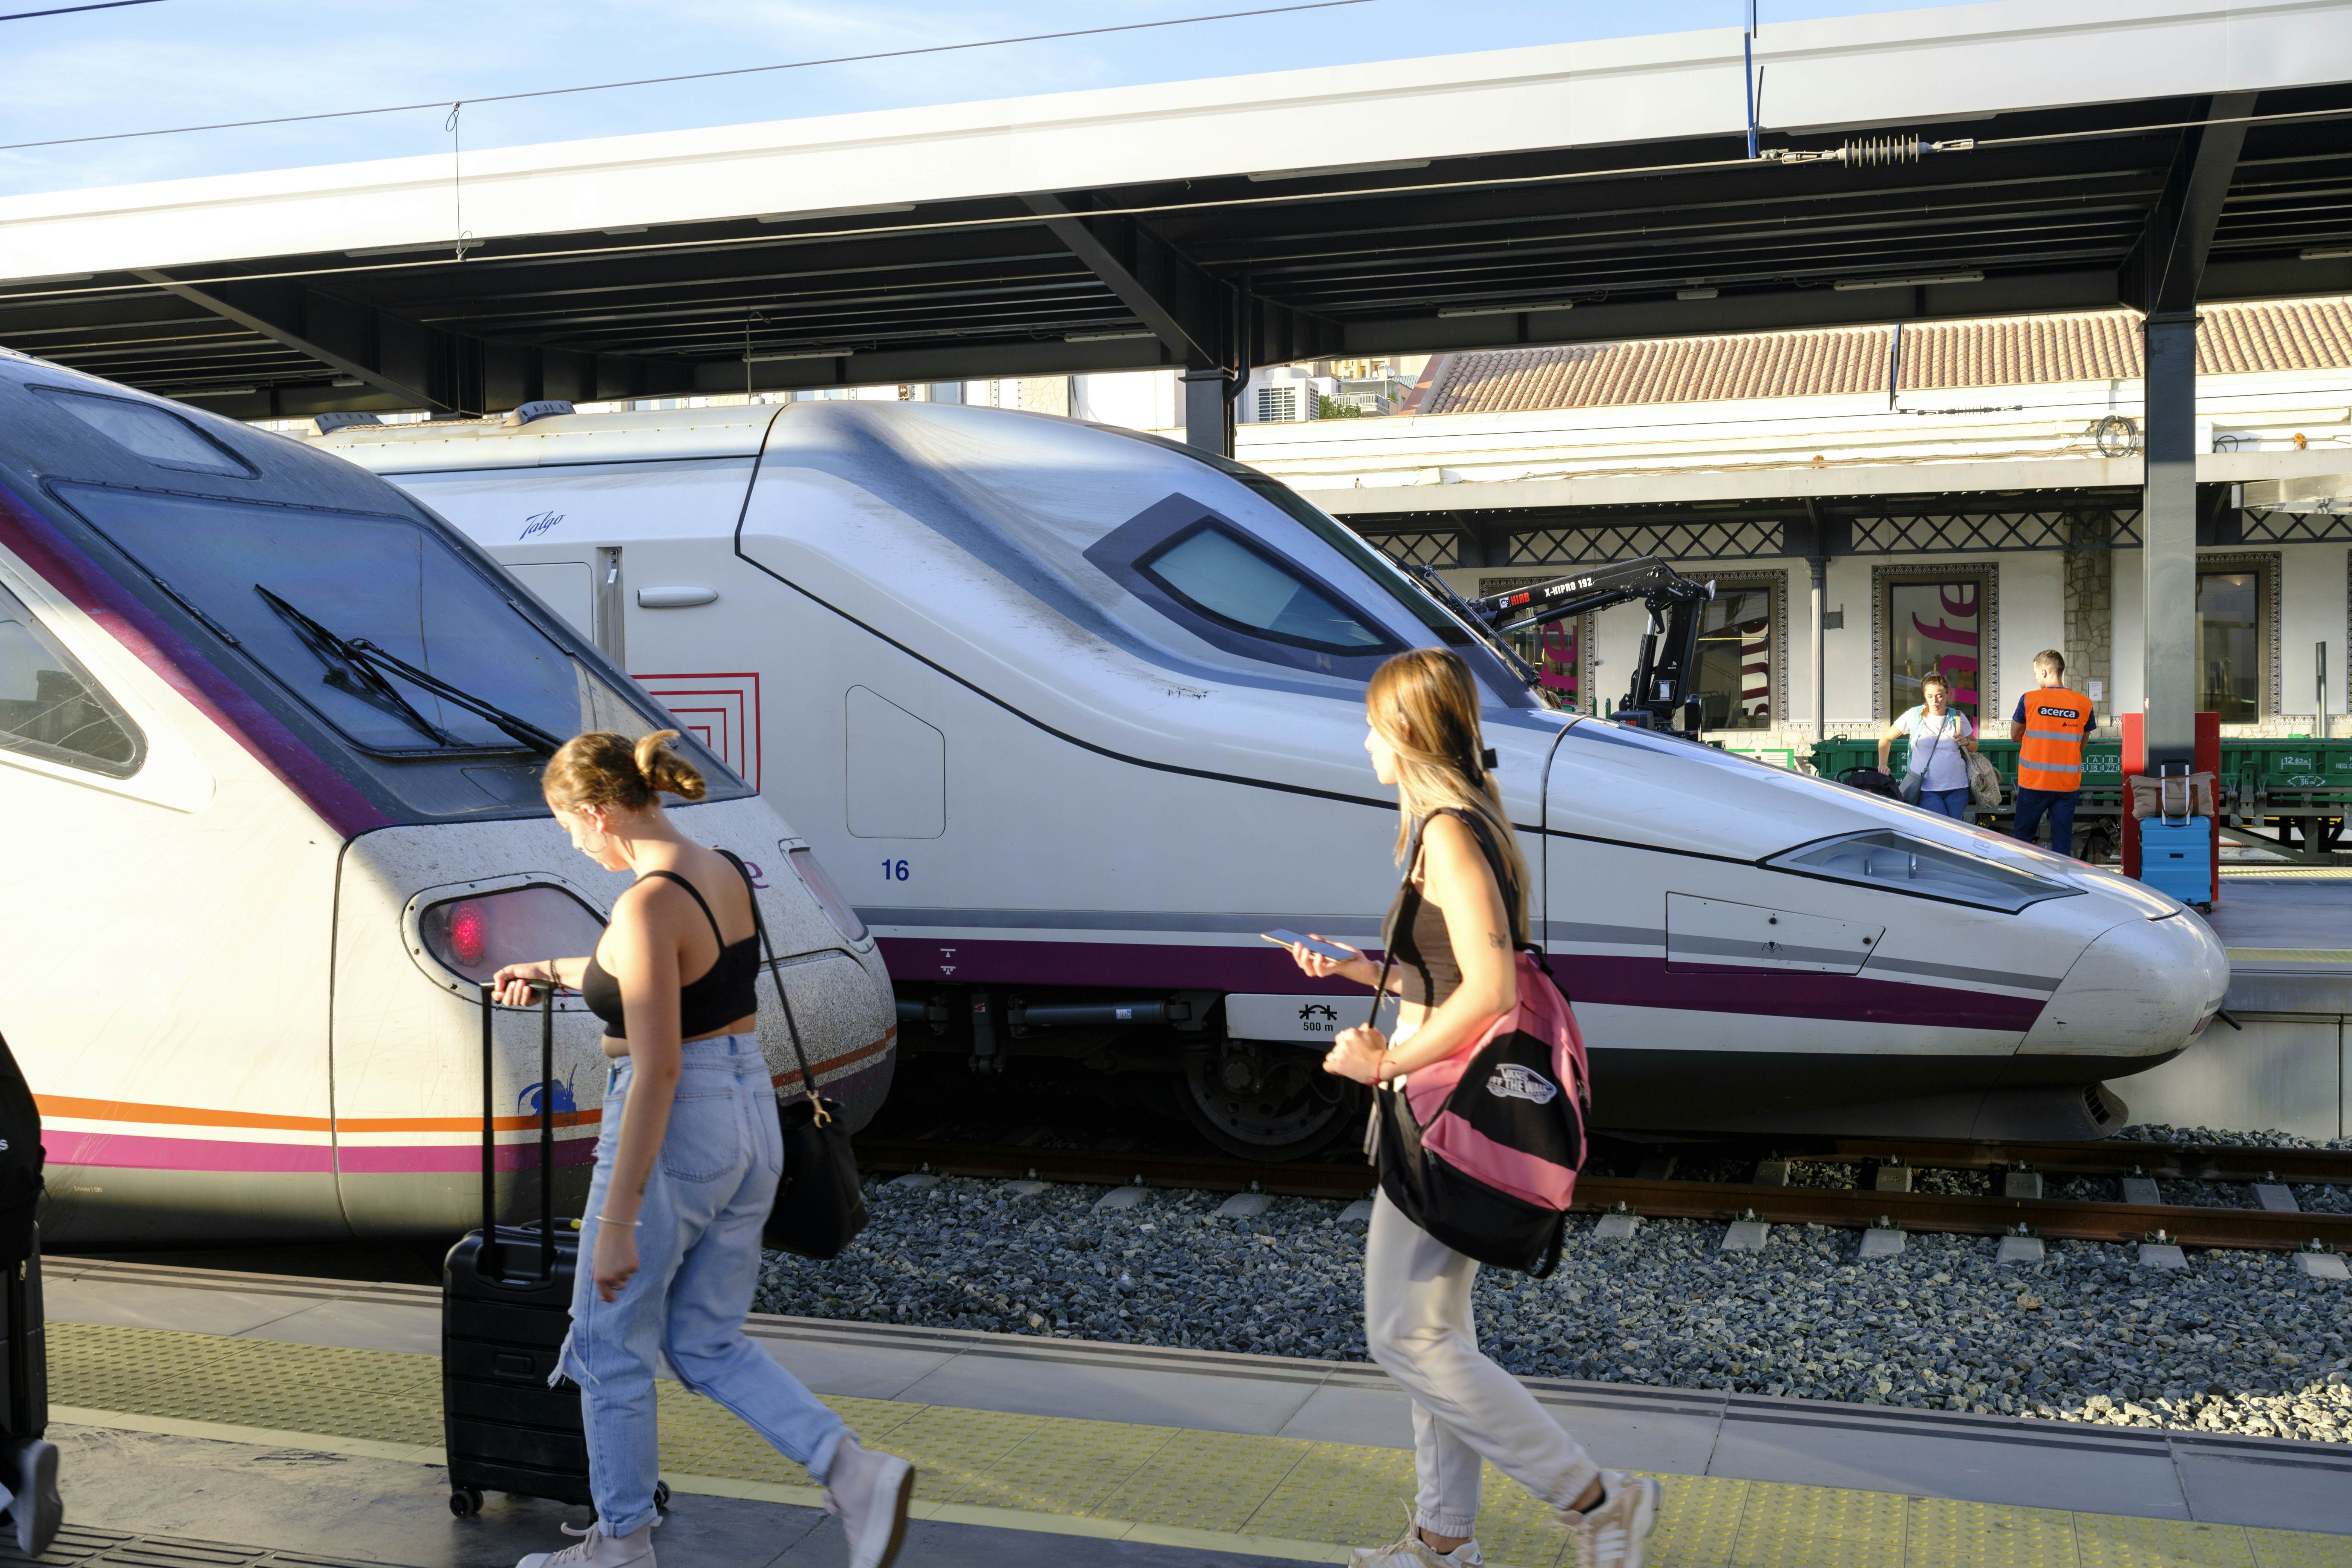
(2289, 933)
(198, 1409)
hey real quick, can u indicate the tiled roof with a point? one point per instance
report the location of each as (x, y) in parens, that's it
(1663, 369)
(2001, 350)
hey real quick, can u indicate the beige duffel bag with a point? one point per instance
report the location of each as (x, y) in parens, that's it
(2148, 796)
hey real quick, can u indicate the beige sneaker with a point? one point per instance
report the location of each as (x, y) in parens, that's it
(1610, 1534)
(870, 1491)
(598, 1550)
(1410, 1551)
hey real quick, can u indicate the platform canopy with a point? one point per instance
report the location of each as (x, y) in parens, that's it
(2012, 157)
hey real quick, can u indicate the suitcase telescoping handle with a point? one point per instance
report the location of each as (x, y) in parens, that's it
(490, 1260)
(2164, 781)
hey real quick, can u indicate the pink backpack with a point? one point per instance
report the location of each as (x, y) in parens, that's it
(1481, 1149)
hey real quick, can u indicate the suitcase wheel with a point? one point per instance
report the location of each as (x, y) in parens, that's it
(464, 1501)
(661, 1497)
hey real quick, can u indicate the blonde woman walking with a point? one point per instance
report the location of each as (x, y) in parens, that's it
(686, 1165)
(1452, 933)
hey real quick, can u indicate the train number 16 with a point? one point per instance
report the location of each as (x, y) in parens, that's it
(894, 870)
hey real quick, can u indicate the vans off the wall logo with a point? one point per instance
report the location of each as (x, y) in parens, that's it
(1512, 1081)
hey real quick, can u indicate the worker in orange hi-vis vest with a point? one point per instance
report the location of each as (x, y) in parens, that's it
(2050, 725)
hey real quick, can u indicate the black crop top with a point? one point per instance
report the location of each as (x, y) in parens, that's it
(1416, 934)
(726, 991)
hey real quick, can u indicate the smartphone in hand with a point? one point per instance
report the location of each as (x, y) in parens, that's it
(1331, 951)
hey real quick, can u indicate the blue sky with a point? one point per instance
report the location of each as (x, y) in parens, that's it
(182, 62)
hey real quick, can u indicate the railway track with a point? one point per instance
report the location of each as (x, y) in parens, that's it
(1664, 1198)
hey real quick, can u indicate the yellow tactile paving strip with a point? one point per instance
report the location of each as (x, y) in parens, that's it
(1276, 1496)
(2290, 955)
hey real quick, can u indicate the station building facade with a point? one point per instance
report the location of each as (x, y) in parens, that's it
(1967, 491)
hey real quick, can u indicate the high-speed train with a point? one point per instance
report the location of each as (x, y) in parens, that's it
(1076, 713)
(255, 871)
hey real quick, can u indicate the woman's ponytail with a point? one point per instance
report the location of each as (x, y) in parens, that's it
(663, 770)
(600, 768)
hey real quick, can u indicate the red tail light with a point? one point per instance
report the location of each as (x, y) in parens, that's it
(469, 935)
(478, 935)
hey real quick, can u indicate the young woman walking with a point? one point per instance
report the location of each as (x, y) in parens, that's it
(687, 1164)
(1452, 933)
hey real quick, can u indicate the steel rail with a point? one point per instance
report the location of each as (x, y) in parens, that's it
(1667, 1199)
(1969, 1215)
(2184, 1162)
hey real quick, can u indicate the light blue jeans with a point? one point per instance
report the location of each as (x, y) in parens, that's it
(699, 1256)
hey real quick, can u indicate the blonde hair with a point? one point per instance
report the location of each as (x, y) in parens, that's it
(600, 768)
(1424, 704)
(2050, 659)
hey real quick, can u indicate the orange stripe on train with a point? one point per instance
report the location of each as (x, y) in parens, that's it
(74, 1108)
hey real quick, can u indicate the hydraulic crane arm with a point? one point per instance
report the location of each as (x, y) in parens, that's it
(1659, 695)
(1646, 578)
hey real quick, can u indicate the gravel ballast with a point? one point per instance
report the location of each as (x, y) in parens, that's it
(2237, 1342)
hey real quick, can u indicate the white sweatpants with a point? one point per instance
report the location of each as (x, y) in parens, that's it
(1464, 1407)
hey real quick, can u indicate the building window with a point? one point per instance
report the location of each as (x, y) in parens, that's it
(1739, 638)
(1935, 623)
(2230, 643)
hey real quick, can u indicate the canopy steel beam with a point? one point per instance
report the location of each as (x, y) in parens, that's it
(422, 365)
(1214, 328)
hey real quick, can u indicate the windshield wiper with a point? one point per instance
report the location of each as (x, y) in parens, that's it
(355, 665)
(1444, 594)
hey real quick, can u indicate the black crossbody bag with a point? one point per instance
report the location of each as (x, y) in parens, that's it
(819, 1206)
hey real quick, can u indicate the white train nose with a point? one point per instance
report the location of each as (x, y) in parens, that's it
(2142, 990)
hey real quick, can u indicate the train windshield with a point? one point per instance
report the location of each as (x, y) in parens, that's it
(373, 622)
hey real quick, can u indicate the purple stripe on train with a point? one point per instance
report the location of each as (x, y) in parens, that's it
(1594, 978)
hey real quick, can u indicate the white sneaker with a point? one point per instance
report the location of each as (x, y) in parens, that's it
(598, 1550)
(870, 1491)
(1610, 1535)
(36, 1511)
(1410, 1551)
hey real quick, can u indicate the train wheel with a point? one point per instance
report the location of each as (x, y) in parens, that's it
(1270, 1104)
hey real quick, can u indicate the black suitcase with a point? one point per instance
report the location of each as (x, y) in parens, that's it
(506, 1306)
(28, 1463)
(25, 1363)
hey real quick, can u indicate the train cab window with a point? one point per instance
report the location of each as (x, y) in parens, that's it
(51, 709)
(158, 435)
(1237, 592)
(318, 600)
(1234, 581)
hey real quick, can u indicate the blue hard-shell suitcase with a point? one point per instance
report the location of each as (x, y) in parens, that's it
(2177, 858)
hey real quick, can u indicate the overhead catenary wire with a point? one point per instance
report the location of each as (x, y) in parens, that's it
(687, 76)
(944, 225)
(65, 10)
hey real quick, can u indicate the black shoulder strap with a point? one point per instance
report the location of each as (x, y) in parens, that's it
(759, 923)
(1388, 936)
(717, 934)
(1484, 835)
